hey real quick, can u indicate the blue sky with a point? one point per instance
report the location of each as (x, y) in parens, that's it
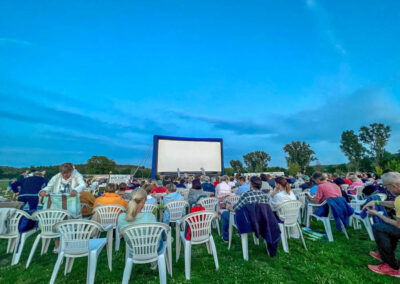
(83, 78)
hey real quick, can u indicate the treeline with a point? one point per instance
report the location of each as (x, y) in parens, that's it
(95, 165)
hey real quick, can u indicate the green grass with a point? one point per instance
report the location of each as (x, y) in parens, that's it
(343, 261)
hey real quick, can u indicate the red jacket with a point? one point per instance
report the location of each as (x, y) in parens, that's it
(194, 209)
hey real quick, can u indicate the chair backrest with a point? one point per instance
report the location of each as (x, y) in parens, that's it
(302, 198)
(108, 214)
(200, 225)
(296, 190)
(48, 218)
(176, 209)
(149, 208)
(159, 196)
(383, 196)
(75, 235)
(143, 240)
(12, 226)
(209, 203)
(344, 187)
(359, 190)
(233, 199)
(289, 211)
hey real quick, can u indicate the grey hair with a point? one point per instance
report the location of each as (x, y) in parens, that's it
(391, 178)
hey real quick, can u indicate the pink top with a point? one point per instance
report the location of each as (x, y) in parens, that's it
(352, 189)
(326, 190)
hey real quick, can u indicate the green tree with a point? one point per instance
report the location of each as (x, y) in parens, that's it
(237, 166)
(100, 165)
(352, 148)
(300, 153)
(376, 136)
(393, 165)
(293, 168)
(256, 161)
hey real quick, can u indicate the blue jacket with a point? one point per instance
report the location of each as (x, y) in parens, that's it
(208, 187)
(341, 211)
(259, 219)
(376, 219)
(173, 196)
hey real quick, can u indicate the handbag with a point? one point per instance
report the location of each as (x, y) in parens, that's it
(64, 202)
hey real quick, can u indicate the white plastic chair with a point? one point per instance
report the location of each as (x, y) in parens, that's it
(108, 215)
(243, 237)
(142, 246)
(210, 204)
(297, 190)
(176, 211)
(356, 205)
(149, 208)
(344, 187)
(75, 241)
(288, 213)
(47, 219)
(233, 199)
(303, 199)
(359, 195)
(159, 196)
(200, 232)
(16, 240)
(184, 192)
(325, 220)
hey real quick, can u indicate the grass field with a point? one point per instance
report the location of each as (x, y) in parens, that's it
(343, 261)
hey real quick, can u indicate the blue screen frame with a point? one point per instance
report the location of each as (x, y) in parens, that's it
(156, 138)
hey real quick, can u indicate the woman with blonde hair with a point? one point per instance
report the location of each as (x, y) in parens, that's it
(134, 213)
(282, 192)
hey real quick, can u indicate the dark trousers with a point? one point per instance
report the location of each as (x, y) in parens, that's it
(31, 200)
(386, 237)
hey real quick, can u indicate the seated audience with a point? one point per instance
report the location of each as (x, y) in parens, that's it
(207, 185)
(387, 233)
(282, 192)
(243, 186)
(122, 188)
(355, 181)
(223, 189)
(196, 192)
(159, 188)
(231, 182)
(149, 188)
(172, 195)
(325, 189)
(265, 185)
(181, 184)
(110, 197)
(255, 195)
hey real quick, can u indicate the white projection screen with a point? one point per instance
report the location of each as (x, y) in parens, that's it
(190, 155)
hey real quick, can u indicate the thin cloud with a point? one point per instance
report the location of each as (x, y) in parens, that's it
(14, 41)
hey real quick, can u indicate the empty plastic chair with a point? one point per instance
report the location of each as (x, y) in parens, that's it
(47, 219)
(210, 204)
(75, 241)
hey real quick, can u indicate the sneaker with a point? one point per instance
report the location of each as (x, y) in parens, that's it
(225, 241)
(375, 255)
(384, 269)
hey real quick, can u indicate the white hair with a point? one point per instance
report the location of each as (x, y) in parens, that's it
(391, 178)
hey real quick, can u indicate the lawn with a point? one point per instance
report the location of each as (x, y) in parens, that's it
(343, 261)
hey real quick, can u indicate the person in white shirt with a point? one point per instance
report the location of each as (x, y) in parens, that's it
(265, 185)
(282, 193)
(223, 189)
(68, 180)
(231, 182)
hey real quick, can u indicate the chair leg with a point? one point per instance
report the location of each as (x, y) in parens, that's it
(92, 265)
(328, 229)
(301, 236)
(308, 217)
(71, 263)
(368, 227)
(46, 248)
(245, 246)
(127, 270)
(283, 237)
(109, 248)
(67, 260)
(9, 245)
(217, 225)
(35, 244)
(231, 220)
(117, 240)
(208, 248)
(256, 240)
(177, 242)
(162, 269)
(188, 256)
(56, 267)
(344, 229)
(18, 249)
(168, 264)
(214, 252)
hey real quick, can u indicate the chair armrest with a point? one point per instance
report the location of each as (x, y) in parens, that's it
(316, 205)
(107, 228)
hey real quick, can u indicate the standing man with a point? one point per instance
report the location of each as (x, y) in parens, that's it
(29, 189)
(387, 234)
